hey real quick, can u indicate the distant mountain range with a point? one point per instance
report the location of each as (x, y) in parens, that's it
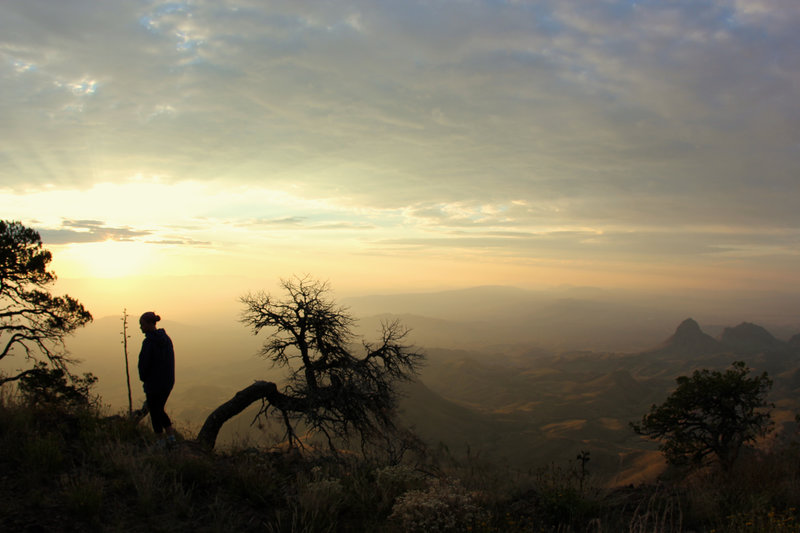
(564, 319)
(548, 408)
(744, 339)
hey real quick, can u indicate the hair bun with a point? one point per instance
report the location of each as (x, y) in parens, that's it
(150, 317)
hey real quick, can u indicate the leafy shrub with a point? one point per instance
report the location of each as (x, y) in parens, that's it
(444, 507)
(49, 387)
(394, 480)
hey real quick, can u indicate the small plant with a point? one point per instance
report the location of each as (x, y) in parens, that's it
(583, 458)
(563, 494)
(661, 512)
(321, 501)
(144, 478)
(444, 507)
(395, 480)
(772, 521)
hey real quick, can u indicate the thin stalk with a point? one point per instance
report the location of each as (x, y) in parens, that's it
(125, 337)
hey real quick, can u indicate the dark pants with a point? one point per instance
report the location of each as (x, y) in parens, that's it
(155, 404)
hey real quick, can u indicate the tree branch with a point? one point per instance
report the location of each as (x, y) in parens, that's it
(265, 391)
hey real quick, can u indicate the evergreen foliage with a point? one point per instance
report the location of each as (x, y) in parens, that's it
(32, 321)
(711, 414)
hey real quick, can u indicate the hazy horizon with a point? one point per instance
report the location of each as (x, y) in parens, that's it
(211, 303)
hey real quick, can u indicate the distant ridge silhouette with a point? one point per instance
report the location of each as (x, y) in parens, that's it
(794, 342)
(689, 340)
(749, 338)
(745, 339)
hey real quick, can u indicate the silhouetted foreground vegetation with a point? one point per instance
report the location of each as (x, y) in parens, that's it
(67, 468)
(33, 322)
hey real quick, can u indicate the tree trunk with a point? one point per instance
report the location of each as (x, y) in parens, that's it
(260, 390)
(257, 391)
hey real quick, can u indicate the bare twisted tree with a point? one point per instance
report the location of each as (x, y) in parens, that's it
(334, 386)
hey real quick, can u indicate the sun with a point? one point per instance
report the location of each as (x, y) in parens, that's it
(107, 259)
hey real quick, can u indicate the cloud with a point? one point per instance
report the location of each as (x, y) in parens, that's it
(83, 231)
(88, 231)
(180, 242)
(641, 246)
(303, 223)
(293, 221)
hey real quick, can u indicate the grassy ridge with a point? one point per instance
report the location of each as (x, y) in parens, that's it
(68, 469)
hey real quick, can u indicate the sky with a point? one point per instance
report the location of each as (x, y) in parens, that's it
(174, 155)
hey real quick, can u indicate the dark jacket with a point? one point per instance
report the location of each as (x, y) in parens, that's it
(157, 362)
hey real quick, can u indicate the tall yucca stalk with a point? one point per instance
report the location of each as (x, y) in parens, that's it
(125, 338)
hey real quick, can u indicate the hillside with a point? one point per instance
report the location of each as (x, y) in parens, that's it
(74, 470)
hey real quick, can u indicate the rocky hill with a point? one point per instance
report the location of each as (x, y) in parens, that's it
(748, 339)
(689, 341)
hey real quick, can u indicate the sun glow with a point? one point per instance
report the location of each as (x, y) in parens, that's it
(107, 259)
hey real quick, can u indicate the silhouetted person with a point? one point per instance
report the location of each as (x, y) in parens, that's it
(157, 372)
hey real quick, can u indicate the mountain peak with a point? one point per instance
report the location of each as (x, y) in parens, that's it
(794, 342)
(688, 328)
(689, 340)
(749, 337)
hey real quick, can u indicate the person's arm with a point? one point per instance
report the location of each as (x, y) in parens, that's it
(145, 360)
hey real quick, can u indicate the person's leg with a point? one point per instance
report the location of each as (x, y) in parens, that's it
(158, 417)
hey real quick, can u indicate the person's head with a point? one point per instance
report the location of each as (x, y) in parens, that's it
(148, 321)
